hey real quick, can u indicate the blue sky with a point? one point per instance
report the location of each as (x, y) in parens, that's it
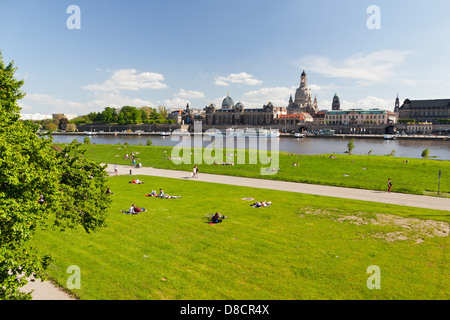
(170, 52)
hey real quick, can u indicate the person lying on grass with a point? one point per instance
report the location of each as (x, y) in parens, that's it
(134, 210)
(136, 181)
(161, 195)
(261, 204)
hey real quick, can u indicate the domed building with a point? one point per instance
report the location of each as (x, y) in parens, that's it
(227, 103)
(236, 114)
(303, 99)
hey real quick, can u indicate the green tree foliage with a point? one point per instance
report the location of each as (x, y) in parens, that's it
(129, 115)
(63, 123)
(162, 112)
(426, 153)
(72, 188)
(71, 127)
(350, 146)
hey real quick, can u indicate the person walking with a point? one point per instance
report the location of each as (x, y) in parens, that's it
(196, 171)
(116, 171)
(389, 185)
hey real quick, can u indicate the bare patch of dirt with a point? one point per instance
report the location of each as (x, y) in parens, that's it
(408, 228)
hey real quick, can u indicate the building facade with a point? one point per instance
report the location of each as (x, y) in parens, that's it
(432, 111)
(235, 114)
(293, 119)
(358, 117)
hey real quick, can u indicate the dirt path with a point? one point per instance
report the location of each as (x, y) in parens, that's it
(402, 199)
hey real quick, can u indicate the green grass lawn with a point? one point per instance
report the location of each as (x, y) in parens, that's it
(301, 247)
(418, 176)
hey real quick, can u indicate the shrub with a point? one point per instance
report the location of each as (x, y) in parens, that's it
(149, 142)
(350, 146)
(87, 140)
(426, 153)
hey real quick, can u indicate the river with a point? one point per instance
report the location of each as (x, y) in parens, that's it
(439, 150)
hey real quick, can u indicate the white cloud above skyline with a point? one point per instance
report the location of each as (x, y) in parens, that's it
(279, 96)
(367, 69)
(189, 94)
(241, 78)
(129, 79)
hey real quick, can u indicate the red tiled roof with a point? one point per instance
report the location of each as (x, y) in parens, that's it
(291, 116)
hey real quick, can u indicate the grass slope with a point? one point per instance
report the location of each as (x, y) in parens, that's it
(298, 248)
(417, 176)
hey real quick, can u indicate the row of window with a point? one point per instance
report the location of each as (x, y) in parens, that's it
(368, 117)
(429, 113)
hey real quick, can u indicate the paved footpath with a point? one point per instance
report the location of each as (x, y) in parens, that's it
(337, 192)
(47, 291)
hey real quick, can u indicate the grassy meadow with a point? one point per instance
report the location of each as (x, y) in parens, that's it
(300, 247)
(416, 176)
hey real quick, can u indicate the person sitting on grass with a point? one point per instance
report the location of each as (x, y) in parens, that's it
(108, 191)
(136, 181)
(216, 218)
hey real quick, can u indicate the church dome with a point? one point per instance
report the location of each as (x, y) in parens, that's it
(239, 106)
(227, 103)
(303, 95)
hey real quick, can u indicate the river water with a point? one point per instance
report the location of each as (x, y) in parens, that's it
(439, 150)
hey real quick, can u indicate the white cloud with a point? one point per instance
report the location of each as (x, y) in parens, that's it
(189, 94)
(375, 67)
(242, 77)
(49, 104)
(279, 96)
(129, 79)
(176, 103)
(368, 103)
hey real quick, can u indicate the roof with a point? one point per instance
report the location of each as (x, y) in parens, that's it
(420, 104)
(227, 102)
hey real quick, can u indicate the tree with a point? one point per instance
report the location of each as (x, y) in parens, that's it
(108, 115)
(62, 123)
(71, 185)
(71, 127)
(426, 153)
(50, 126)
(162, 112)
(350, 146)
(129, 115)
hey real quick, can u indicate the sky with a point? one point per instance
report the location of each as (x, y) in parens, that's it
(174, 52)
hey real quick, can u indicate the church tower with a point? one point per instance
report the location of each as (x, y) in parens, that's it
(336, 103)
(303, 80)
(397, 104)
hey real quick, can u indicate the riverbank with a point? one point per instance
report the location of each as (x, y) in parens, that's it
(282, 135)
